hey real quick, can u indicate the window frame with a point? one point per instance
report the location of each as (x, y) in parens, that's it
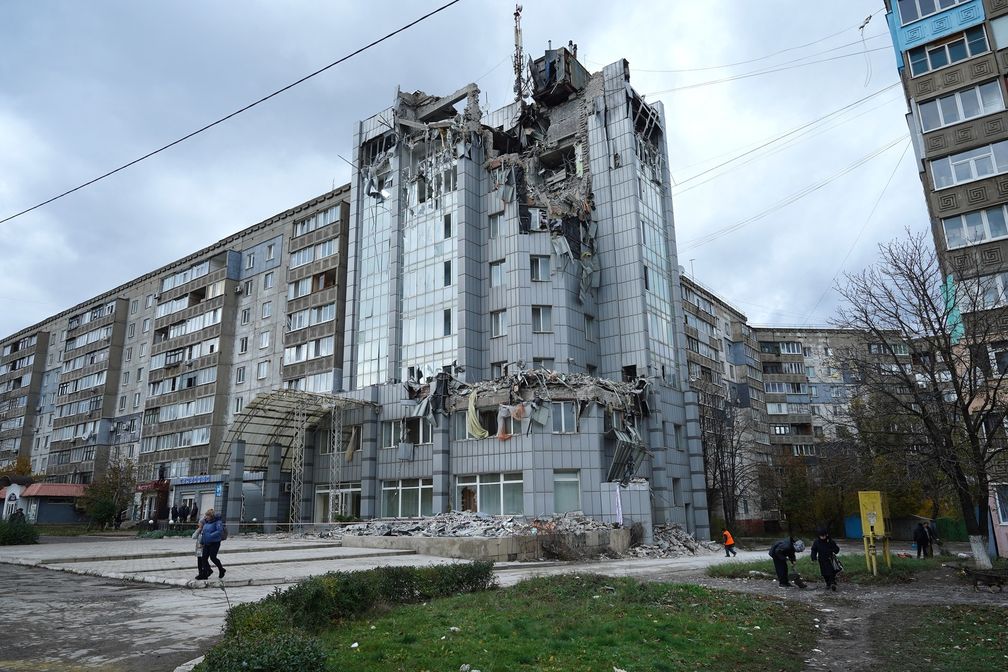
(563, 417)
(944, 44)
(958, 97)
(539, 326)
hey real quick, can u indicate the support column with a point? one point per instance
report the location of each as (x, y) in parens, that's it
(370, 488)
(658, 443)
(441, 468)
(235, 482)
(271, 488)
(308, 477)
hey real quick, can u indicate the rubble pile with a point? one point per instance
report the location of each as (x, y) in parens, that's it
(467, 524)
(671, 541)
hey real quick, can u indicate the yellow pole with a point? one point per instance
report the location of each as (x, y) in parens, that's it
(867, 557)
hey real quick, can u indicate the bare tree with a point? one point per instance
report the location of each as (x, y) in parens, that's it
(730, 459)
(928, 363)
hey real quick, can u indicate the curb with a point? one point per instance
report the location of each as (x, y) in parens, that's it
(187, 667)
(154, 554)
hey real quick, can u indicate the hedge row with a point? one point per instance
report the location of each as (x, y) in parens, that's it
(274, 633)
(17, 533)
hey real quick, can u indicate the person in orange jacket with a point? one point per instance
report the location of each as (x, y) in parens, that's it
(729, 544)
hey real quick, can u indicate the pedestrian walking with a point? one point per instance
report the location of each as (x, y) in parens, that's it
(825, 550)
(211, 532)
(729, 543)
(783, 551)
(921, 539)
(183, 512)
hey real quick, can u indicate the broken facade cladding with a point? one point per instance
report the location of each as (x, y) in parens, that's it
(511, 272)
(513, 291)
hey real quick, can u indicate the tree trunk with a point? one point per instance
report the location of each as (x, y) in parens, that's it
(979, 546)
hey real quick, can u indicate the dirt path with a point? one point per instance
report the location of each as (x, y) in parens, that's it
(844, 619)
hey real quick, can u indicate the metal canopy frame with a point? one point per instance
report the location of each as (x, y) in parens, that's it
(284, 417)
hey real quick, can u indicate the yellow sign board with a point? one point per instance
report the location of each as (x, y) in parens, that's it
(872, 514)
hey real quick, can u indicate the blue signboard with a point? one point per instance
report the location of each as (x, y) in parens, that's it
(219, 490)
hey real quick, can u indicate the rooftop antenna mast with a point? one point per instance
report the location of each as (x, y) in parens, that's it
(519, 64)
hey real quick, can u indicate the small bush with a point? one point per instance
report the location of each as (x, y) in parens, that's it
(320, 600)
(255, 619)
(266, 653)
(16, 533)
(161, 534)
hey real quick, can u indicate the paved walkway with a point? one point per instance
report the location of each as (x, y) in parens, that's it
(138, 608)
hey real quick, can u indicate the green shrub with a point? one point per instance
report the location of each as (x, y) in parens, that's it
(320, 600)
(17, 533)
(254, 619)
(266, 653)
(161, 534)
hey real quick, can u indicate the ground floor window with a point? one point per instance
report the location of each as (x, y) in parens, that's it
(408, 497)
(1001, 494)
(346, 502)
(566, 491)
(498, 494)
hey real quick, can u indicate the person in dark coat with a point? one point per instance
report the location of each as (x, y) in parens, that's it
(183, 512)
(211, 528)
(783, 551)
(174, 514)
(922, 540)
(824, 550)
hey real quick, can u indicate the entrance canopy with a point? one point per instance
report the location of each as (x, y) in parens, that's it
(282, 417)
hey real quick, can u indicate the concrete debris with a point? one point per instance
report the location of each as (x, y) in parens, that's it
(468, 524)
(672, 541)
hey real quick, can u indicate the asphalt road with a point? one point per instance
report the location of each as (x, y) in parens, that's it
(59, 622)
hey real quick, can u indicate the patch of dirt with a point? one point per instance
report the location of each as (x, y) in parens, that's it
(843, 618)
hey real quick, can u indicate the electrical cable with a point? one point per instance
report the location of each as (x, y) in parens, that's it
(860, 232)
(788, 133)
(235, 113)
(757, 73)
(791, 198)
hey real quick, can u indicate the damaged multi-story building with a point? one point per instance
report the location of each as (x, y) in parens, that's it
(512, 300)
(488, 318)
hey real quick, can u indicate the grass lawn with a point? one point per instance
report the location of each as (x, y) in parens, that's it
(579, 623)
(73, 530)
(953, 638)
(855, 569)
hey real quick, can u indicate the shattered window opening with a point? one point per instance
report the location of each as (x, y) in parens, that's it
(494, 494)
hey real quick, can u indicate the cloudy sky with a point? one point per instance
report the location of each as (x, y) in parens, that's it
(86, 87)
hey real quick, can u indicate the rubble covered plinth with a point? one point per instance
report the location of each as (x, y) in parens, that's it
(672, 541)
(467, 524)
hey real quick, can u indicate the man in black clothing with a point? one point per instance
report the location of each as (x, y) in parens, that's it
(783, 551)
(824, 549)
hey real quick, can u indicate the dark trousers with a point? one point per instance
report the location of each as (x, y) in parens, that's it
(729, 549)
(921, 550)
(209, 553)
(780, 566)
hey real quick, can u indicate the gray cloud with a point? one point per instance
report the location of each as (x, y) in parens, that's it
(85, 87)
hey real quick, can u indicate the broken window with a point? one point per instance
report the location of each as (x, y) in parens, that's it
(448, 273)
(494, 494)
(497, 369)
(447, 225)
(543, 363)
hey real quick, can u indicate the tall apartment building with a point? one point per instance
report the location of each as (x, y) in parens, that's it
(953, 58)
(725, 370)
(156, 369)
(487, 318)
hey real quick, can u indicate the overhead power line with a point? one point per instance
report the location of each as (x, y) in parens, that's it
(714, 235)
(786, 134)
(235, 113)
(861, 231)
(757, 73)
